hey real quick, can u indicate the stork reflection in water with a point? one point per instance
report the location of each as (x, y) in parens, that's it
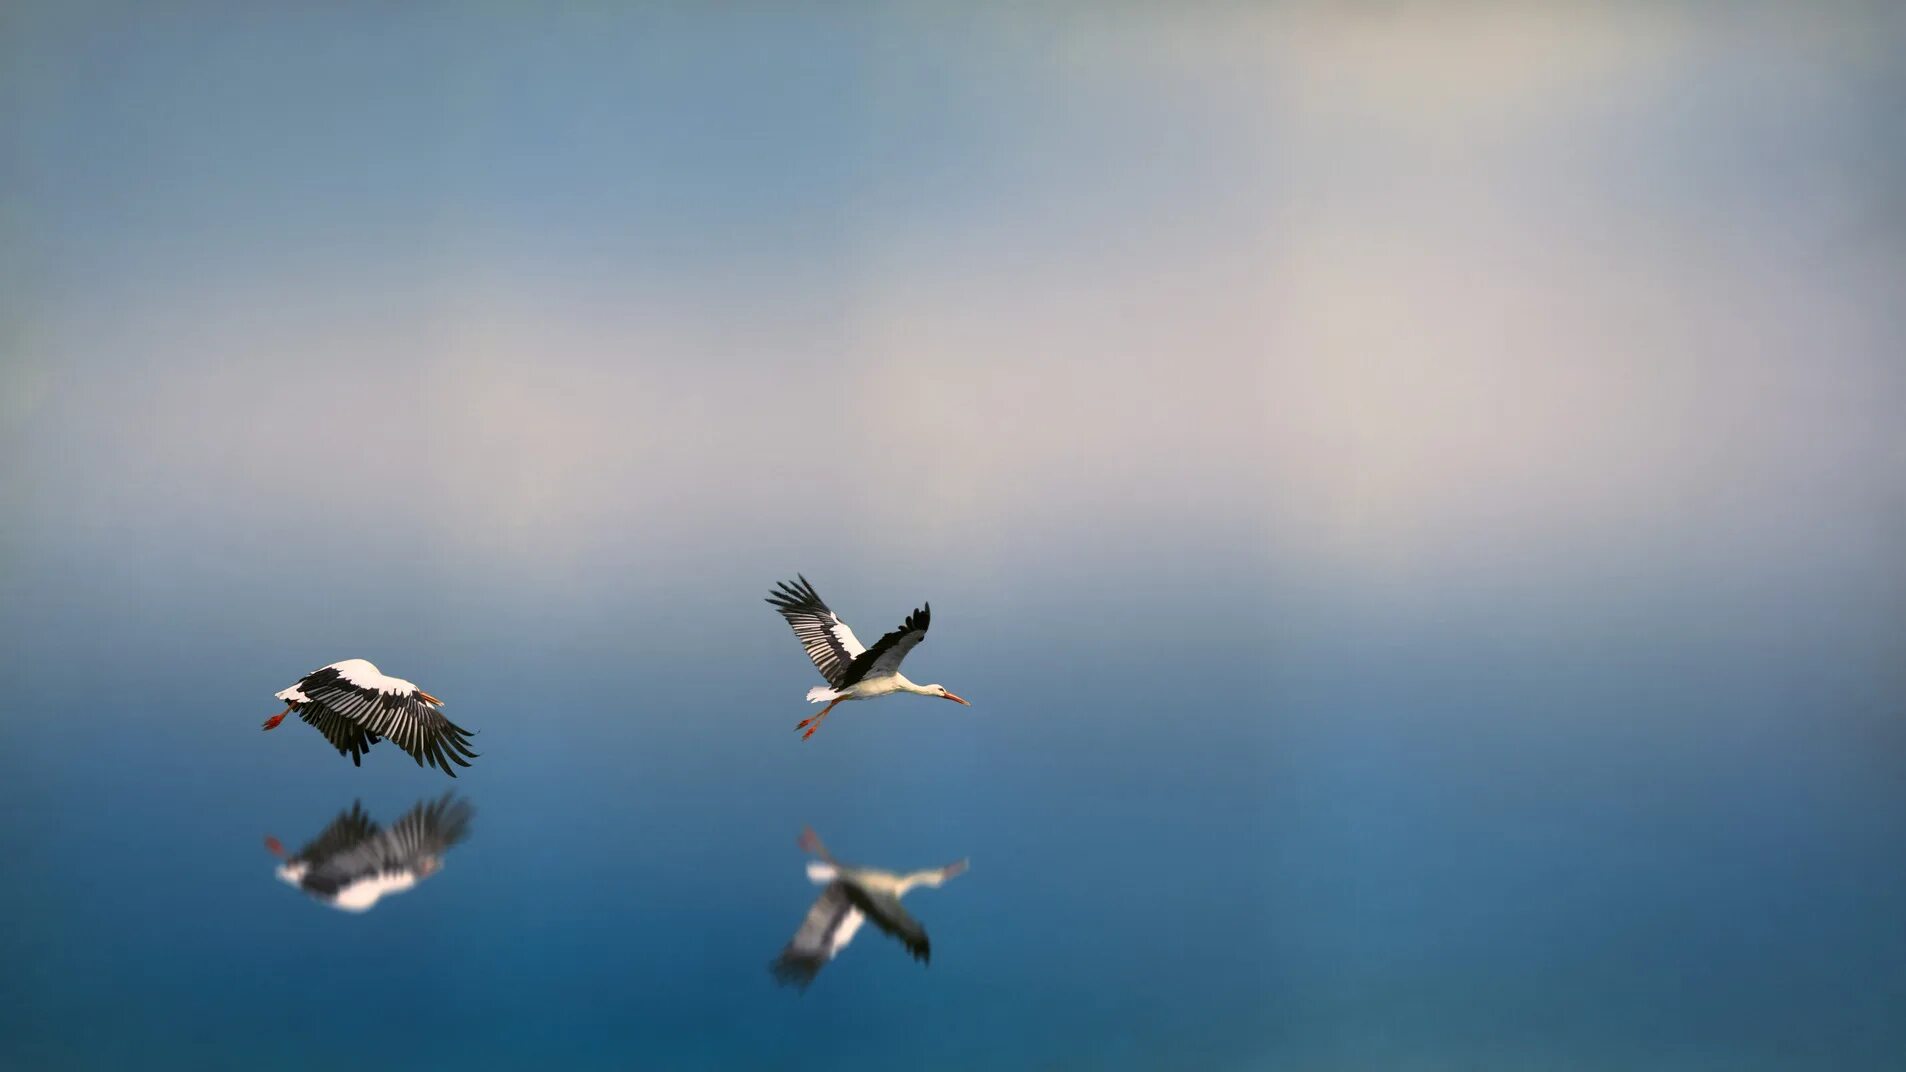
(853, 896)
(353, 862)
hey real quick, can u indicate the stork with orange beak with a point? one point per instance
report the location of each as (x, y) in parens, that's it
(355, 706)
(853, 672)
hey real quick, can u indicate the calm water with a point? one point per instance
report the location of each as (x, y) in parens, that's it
(1231, 828)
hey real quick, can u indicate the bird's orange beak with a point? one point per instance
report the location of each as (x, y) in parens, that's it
(427, 698)
(956, 699)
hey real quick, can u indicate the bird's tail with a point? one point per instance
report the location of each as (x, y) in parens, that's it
(821, 693)
(821, 874)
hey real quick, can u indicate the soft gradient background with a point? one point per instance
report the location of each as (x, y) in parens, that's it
(1415, 492)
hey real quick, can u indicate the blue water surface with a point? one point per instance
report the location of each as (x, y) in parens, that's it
(1211, 824)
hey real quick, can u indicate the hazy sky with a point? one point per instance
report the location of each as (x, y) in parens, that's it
(1382, 292)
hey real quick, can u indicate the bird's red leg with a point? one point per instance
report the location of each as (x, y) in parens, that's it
(273, 846)
(272, 722)
(816, 721)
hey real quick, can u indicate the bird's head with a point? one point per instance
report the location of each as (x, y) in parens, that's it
(940, 691)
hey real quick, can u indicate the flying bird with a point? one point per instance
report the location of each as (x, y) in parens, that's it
(853, 896)
(853, 672)
(352, 863)
(355, 707)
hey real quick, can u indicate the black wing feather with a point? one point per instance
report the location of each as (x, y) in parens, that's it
(430, 828)
(350, 829)
(895, 645)
(817, 627)
(353, 718)
(353, 848)
(813, 944)
(349, 738)
(887, 914)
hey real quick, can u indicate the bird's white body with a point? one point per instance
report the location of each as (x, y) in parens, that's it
(359, 896)
(869, 688)
(361, 673)
(873, 880)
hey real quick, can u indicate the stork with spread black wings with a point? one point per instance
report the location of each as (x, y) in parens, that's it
(853, 672)
(355, 707)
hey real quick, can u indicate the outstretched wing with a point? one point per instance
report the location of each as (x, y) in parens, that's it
(887, 914)
(349, 830)
(381, 708)
(425, 832)
(349, 738)
(826, 638)
(830, 924)
(884, 657)
(352, 864)
(429, 829)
